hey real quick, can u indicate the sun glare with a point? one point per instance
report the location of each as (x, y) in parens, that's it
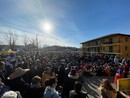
(47, 27)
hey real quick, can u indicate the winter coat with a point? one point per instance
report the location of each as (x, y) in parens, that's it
(51, 93)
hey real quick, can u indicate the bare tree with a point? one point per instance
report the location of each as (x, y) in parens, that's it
(38, 42)
(11, 38)
(33, 42)
(25, 41)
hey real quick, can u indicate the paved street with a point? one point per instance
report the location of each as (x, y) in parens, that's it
(92, 83)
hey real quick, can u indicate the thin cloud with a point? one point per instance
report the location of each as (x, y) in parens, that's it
(27, 15)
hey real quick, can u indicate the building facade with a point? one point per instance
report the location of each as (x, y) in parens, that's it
(113, 44)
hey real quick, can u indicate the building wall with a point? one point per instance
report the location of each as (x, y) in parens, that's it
(118, 44)
(126, 44)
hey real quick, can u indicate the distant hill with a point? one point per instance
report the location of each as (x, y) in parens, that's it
(60, 48)
(47, 48)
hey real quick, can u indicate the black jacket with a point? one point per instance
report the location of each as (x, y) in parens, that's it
(74, 94)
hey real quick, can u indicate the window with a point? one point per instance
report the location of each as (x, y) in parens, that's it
(99, 42)
(126, 48)
(126, 39)
(110, 49)
(100, 48)
(102, 41)
(110, 40)
(103, 48)
(96, 43)
(95, 48)
(88, 49)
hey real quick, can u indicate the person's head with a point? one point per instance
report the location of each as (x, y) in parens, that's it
(125, 63)
(52, 82)
(69, 66)
(77, 86)
(4, 60)
(73, 72)
(106, 84)
(2, 65)
(119, 71)
(36, 80)
(48, 70)
(10, 94)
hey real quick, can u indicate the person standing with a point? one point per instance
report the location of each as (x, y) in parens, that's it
(16, 80)
(50, 90)
(47, 74)
(3, 73)
(35, 90)
(119, 74)
(78, 92)
(116, 60)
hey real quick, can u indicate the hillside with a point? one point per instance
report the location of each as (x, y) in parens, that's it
(60, 48)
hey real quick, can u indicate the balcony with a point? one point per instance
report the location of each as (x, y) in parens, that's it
(111, 53)
(106, 43)
(105, 52)
(111, 43)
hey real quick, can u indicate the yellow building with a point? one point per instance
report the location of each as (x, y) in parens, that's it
(116, 44)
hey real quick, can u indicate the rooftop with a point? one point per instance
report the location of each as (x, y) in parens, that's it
(114, 34)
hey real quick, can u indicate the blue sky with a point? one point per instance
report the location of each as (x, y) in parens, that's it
(72, 21)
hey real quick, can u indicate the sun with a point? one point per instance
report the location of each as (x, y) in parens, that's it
(47, 27)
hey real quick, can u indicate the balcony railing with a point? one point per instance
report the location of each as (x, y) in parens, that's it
(107, 43)
(104, 52)
(111, 42)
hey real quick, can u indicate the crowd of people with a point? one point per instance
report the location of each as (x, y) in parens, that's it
(55, 74)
